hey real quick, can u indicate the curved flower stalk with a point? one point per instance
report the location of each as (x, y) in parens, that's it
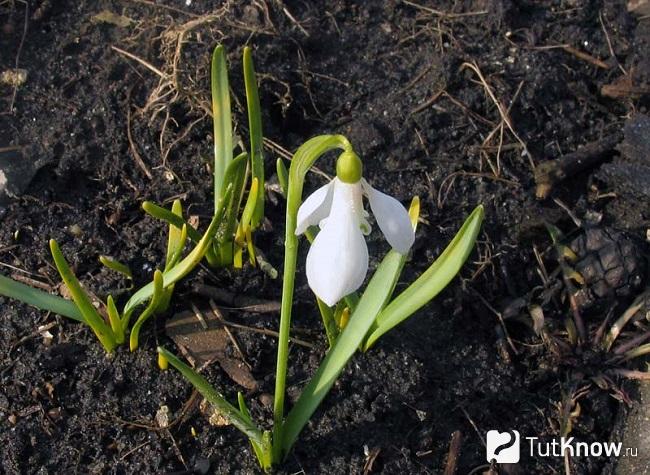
(337, 262)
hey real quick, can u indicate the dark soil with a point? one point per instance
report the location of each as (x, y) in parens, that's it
(367, 70)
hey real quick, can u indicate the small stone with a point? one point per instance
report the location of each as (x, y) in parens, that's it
(162, 417)
(14, 77)
(54, 414)
(215, 418)
(75, 230)
(47, 336)
(266, 400)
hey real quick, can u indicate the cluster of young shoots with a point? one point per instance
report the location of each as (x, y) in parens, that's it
(353, 321)
(223, 243)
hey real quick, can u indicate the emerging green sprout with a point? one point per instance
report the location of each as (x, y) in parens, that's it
(229, 232)
(235, 232)
(112, 329)
(359, 320)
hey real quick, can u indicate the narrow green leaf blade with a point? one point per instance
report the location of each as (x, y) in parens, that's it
(255, 128)
(329, 322)
(178, 252)
(221, 120)
(283, 176)
(213, 397)
(184, 267)
(432, 281)
(248, 214)
(235, 177)
(377, 293)
(178, 222)
(91, 316)
(148, 311)
(116, 266)
(247, 415)
(414, 215)
(174, 236)
(39, 298)
(114, 320)
(166, 215)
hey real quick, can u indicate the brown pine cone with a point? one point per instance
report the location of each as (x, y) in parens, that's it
(611, 264)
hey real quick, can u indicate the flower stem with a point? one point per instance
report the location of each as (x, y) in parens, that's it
(303, 159)
(331, 328)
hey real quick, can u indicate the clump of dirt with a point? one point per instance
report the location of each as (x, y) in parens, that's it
(456, 104)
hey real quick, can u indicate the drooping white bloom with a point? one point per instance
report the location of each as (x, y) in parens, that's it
(337, 261)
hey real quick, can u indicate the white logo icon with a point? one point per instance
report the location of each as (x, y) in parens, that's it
(503, 447)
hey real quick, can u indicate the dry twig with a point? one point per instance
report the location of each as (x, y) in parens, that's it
(440, 13)
(505, 117)
(453, 453)
(134, 150)
(551, 172)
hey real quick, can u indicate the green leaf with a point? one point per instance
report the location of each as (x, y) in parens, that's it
(90, 315)
(554, 232)
(283, 176)
(114, 320)
(217, 400)
(255, 128)
(175, 240)
(148, 311)
(185, 266)
(221, 121)
(178, 252)
(414, 215)
(267, 450)
(373, 299)
(173, 260)
(259, 453)
(116, 266)
(166, 215)
(432, 281)
(163, 214)
(242, 406)
(235, 177)
(248, 213)
(329, 322)
(39, 298)
(175, 244)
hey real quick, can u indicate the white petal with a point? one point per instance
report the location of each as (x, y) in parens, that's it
(392, 218)
(337, 261)
(315, 208)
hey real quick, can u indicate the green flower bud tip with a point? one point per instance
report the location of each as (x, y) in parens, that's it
(349, 167)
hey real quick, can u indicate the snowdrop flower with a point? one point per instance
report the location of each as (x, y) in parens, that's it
(337, 261)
